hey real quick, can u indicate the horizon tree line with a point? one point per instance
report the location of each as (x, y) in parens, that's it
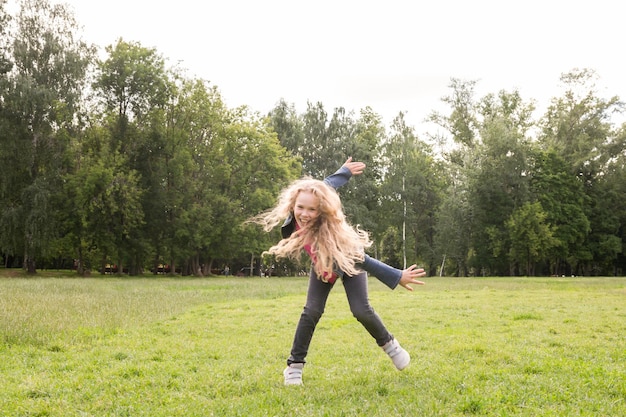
(125, 161)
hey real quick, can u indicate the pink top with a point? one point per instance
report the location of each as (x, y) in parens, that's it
(309, 250)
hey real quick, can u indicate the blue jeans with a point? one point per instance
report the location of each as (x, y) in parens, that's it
(356, 291)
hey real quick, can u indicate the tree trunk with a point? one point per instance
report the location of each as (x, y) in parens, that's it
(80, 266)
(29, 265)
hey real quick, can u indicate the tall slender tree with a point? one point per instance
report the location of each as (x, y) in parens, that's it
(411, 192)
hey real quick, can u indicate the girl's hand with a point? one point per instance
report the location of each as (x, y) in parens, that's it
(409, 275)
(356, 168)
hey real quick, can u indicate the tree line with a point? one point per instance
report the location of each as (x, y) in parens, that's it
(123, 161)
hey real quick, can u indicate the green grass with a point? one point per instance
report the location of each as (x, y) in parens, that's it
(217, 347)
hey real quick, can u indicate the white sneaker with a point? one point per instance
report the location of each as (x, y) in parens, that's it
(293, 374)
(398, 355)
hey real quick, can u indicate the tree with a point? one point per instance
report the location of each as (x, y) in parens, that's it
(391, 248)
(498, 186)
(462, 122)
(5, 60)
(361, 198)
(134, 88)
(41, 95)
(455, 216)
(324, 140)
(453, 227)
(132, 81)
(615, 180)
(563, 200)
(410, 195)
(260, 169)
(577, 127)
(82, 188)
(287, 124)
(530, 236)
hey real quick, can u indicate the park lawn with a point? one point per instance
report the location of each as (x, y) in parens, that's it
(217, 347)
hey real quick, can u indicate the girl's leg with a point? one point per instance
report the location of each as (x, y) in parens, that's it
(356, 291)
(317, 295)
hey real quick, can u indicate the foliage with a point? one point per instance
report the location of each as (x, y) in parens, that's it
(530, 236)
(124, 164)
(43, 76)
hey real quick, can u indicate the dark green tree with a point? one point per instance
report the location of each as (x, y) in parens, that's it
(498, 185)
(288, 125)
(615, 188)
(578, 128)
(391, 248)
(563, 200)
(43, 74)
(361, 196)
(134, 87)
(260, 172)
(531, 237)
(323, 150)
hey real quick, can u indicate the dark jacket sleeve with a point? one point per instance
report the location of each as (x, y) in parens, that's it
(339, 178)
(386, 274)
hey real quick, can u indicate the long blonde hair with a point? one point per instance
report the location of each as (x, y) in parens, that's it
(334, 242)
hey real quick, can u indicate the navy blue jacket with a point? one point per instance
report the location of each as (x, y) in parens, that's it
(386, 274)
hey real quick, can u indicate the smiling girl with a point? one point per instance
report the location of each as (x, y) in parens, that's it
(315, 224)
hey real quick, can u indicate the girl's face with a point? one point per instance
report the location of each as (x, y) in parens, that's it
(306, 208)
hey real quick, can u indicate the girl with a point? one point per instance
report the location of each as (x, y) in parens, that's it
(315, 223)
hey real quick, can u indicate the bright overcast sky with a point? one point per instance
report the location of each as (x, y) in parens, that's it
(391, 55)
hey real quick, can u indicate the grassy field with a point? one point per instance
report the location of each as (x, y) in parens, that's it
(217, 347)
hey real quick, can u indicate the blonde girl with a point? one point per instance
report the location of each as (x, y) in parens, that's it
(315, 224)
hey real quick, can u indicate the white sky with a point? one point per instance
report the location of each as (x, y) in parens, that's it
(391, 55)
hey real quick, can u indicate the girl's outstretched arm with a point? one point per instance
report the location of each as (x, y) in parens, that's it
(390, 276)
